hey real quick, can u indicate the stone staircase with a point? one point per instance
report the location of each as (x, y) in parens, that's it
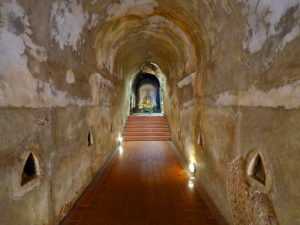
(147, 128)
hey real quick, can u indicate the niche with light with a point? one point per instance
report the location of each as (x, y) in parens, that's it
(192, 168)
(30, 170)
(120, 139)
(256, 169)
(90, 138)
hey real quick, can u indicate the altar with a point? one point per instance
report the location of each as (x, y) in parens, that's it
(146, 106)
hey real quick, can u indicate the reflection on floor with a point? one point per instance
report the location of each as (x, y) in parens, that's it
(145, 183)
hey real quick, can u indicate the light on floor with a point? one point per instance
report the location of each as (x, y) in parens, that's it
(121, 150)
(192, 168)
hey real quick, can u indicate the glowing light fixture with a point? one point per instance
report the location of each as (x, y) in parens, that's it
(120, 139)
(191, 184)
(192, 168)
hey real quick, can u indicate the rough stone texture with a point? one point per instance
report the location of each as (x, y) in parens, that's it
(248, 205)
(230, 72)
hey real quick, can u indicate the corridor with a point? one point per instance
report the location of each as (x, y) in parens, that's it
(144, 184)
(219, 80)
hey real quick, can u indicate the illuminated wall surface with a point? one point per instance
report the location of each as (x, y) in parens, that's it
(230, 74)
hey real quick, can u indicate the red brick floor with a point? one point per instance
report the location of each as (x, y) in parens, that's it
(147, 185)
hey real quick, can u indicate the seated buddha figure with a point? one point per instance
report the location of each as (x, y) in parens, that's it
(147, 100)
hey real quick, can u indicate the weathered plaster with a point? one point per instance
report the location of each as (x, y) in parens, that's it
(133, 7)
(67, 22)
(263, 17)
(286, 96)
(70, 76)
(94, 20)
(97, 83)
(188, 80)
(43, 101)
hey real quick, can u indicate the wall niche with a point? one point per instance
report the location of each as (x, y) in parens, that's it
(200, 140)
(90, 138)
(258, 173)
(30, 170)
(256, 169)
(27, 172)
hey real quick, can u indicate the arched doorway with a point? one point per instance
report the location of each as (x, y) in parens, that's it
(146, 94)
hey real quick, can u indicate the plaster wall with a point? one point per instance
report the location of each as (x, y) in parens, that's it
(244, 98)
(231, 87)
(52, 95)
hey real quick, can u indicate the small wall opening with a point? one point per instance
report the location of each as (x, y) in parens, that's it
(29, 171)
(256, 170)
(200, 140)
(90, 138)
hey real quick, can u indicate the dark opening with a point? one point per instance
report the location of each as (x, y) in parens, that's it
(141, 79)
(258, 171)
(29, 170)
(90, 139)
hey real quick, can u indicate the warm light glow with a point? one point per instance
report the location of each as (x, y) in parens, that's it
(191, 184)
(192, 159)
(120, 139)
(121, 150)
(192, 168)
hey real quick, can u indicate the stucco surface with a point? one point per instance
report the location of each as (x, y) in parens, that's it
(230, 73)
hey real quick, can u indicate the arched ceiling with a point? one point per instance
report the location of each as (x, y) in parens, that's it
(125, 43)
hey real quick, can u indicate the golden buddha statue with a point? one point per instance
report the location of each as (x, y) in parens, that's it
(147, 100)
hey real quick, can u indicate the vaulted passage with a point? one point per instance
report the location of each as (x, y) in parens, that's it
(219, 81)
(145, 183)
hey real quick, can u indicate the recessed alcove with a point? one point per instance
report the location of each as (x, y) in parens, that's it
(200, 140)
(30, 170)
(90, 138)
(27, 172)
(111, 128)
(258, 171)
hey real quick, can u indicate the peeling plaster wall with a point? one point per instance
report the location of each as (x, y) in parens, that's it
(231, 86)
(51, 95)
(243, 96)
(263, 18)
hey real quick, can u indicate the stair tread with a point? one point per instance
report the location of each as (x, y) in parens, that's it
(147, 128)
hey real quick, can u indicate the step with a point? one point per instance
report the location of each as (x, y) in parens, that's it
(146, 134)
(146, 119)
(148, 138)
(147, 128)
(146, 123)
(144, 129)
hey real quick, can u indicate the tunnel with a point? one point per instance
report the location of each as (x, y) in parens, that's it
(149, 112)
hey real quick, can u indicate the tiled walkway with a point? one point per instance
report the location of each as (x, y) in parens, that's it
(146, 184)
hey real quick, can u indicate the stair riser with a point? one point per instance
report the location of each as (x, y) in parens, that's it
(147, 126)
(147, 139)
(146, 129)
(143, 123)
(147, 119)
(127, 134)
